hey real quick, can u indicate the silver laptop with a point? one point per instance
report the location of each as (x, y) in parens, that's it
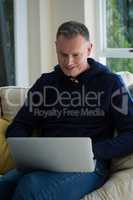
(54, 154)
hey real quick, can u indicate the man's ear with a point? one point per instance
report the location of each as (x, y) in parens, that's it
(90, 45)
(56, 45)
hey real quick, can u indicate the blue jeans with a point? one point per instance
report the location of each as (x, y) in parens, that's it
(45, 185)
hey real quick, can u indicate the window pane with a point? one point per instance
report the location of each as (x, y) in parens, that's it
(120, 64)
(7, 63)
(119, 23)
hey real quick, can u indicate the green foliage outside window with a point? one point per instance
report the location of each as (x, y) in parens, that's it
(119, 18)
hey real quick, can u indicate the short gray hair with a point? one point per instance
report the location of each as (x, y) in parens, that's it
(71, 29)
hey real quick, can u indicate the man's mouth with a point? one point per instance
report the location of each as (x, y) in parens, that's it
(70, 68)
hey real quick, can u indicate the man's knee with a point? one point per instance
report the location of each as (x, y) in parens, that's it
(33, 186)
(27, 188)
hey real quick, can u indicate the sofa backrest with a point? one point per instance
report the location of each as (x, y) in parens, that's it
(11, 99)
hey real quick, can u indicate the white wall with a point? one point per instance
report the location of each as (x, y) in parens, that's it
(46, 34)
(34, 46)
(90, 21)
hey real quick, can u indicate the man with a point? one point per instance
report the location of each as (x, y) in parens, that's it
(80, 98)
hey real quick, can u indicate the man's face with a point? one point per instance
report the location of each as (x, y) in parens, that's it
(72, 54)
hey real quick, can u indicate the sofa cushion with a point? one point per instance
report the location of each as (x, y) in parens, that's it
(127, 78)
(6, 161)
(118, 187)
(122, 163)
(12, 98)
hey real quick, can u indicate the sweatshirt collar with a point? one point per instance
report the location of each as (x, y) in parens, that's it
(94, 70)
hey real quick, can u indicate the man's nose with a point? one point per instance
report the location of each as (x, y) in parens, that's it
(70, 60)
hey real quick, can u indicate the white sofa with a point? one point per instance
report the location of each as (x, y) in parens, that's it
(120, 184)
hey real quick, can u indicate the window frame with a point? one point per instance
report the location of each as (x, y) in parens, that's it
(21, 42)
(102, 51)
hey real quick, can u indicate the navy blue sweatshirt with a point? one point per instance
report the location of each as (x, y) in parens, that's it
(95, 104)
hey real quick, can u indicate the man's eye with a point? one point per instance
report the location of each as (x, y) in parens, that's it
(75, 55)
(64, 55)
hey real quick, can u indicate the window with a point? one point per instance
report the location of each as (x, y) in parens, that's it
(115, 33)
(14, 43)
(7, 63)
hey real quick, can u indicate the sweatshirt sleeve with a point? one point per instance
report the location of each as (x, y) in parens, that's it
(25, 120)
(121, 111)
